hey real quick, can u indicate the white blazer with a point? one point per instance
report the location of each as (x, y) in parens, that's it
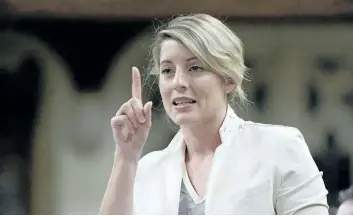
(258, 169)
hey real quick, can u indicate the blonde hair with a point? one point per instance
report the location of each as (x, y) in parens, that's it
(212, 42)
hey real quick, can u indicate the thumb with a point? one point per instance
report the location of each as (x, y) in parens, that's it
(147, 109)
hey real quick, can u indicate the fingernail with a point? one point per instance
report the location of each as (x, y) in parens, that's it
(142, 119)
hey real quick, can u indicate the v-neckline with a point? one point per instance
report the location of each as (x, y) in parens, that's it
(190, 188)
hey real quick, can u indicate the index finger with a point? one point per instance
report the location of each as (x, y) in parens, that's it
(136, 84)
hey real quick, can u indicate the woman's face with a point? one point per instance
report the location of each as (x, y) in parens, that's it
(190, 94)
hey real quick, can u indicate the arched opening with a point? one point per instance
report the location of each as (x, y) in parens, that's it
(31, 78)
(20, 93)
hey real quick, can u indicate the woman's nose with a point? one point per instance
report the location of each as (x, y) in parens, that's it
(181, 81)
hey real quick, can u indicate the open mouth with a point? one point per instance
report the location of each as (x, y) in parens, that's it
(183, 102)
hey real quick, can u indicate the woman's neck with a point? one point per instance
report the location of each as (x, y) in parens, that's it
(203, 139)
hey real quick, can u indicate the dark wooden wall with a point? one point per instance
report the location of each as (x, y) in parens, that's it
(166, 8)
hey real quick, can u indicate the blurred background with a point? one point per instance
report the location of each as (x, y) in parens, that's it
(65, 69)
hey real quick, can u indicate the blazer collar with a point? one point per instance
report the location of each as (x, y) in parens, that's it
(231, 125)
(175, 153)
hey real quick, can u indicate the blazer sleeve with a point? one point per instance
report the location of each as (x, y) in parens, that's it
(301, 189)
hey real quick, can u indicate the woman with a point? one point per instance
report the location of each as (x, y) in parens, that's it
(217, 163)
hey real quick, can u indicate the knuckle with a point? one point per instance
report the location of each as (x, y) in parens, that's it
(117, 120)
(122, 109)
(124, 105)
(114, 122)
(128, 109)
(134, 103)
(127, 105)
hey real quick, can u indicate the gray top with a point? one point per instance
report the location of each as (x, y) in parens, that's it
(190, 203)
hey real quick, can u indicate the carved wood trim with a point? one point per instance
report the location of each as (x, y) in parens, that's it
(167, 8)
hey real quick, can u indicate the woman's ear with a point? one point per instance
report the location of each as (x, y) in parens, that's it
(228, 87)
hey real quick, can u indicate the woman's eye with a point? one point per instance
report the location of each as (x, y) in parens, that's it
(166, 71)
(196, 68)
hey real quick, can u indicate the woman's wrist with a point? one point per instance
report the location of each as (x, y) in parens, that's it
(126, 158)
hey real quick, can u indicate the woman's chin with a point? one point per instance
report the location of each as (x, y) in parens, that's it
(185, 119)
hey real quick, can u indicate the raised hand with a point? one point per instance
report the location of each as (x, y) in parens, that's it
(132, 122)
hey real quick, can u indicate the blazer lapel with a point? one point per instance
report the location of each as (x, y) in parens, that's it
(173, 175)
(224, 164)
(230, 132)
